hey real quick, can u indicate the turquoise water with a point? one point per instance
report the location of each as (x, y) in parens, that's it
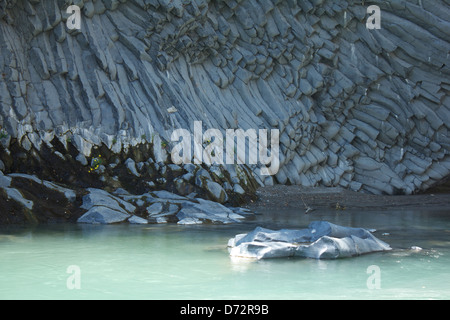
(192, 262)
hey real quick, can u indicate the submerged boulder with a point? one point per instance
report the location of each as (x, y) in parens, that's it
(321, 240)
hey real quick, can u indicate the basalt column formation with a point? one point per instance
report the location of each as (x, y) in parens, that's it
(365, 109)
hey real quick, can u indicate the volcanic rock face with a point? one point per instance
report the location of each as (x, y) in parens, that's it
(26, 199)
(358, 108)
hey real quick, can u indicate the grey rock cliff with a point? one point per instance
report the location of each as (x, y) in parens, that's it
(358, 108)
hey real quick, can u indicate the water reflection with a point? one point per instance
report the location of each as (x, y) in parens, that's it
(239, 264)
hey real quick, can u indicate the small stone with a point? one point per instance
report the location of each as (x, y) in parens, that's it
(215, 191)
(238, 189)
(161, 220)
(201, 176)
(189, 167)
(140, 202)
(155, 209)
(131, 166)
(172, 110)
(137, 220)
(183, 187)
(5, 181)
(151, 184)
(82, 159)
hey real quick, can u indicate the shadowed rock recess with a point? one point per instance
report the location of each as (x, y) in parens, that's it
(363, 109)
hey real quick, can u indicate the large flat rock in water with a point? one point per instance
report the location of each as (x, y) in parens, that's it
(321, 240)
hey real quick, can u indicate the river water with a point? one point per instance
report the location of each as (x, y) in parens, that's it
(192, 262)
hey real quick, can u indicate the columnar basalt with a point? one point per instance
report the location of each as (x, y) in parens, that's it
(357, 108)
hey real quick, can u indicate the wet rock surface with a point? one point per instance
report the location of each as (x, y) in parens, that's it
(105, 182)
(28, 199)
(321, 240)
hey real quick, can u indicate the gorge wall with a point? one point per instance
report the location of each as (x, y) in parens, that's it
(363, 109)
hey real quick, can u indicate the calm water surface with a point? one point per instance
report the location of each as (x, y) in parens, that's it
(192, 262)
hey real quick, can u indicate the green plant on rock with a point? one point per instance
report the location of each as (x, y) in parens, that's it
(96, 163)
(3, 133)
(207, 142)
